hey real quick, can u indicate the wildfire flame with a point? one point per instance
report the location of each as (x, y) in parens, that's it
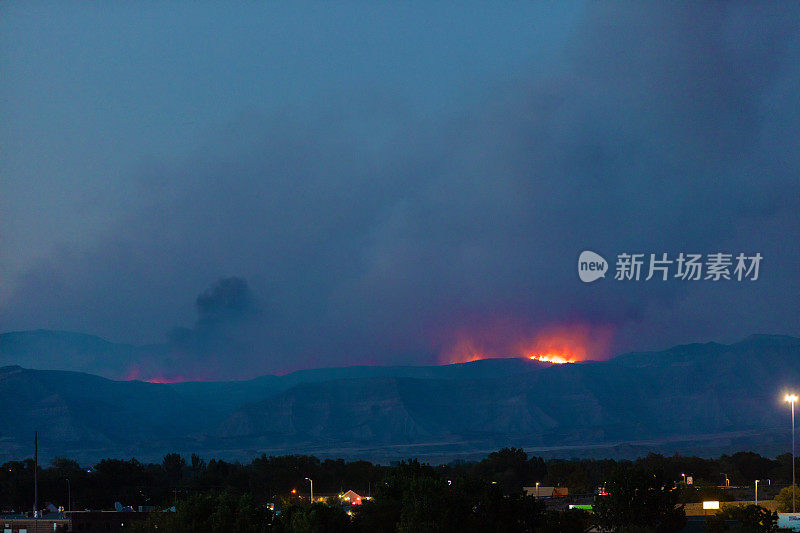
(558, 359)
(557, 344)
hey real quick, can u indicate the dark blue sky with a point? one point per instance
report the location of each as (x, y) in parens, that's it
(393, 183)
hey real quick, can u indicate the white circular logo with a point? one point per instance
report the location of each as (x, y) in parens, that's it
(591, 266)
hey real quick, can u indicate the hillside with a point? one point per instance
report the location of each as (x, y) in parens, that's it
(698, 398)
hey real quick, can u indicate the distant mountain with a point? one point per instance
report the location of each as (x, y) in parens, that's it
(230, 394)
(78, 352)
(66, 350)
(698, 398)
(75, 411)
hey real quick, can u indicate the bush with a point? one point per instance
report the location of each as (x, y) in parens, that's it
(751, 519)
(784, 499)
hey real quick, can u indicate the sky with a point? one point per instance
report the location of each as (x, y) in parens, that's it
(266, 187)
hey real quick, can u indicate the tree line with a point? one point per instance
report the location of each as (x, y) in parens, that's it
(467, 495)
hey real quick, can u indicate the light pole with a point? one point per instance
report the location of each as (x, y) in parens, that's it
(312, 489)
(756, 493)
(35, 475)
(727, 481)
(684, 478)
(792, 398)
(69, 496)
(537, 490)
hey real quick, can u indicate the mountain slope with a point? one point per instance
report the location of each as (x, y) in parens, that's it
(77, 352)
(690, 398)
(686, 391)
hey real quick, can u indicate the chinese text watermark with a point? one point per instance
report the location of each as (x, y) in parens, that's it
(716, 266)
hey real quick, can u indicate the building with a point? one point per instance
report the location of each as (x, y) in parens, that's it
(116, 521)
(71, 521)
(20, 524)
(539, 491)
(351, 497)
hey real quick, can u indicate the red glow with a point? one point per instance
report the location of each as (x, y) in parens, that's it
(465, 350)
(556, 344)
(136, 373)
(567, 344)
(163, 379)
(555, 358)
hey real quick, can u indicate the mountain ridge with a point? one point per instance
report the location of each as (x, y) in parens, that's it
(693, 398)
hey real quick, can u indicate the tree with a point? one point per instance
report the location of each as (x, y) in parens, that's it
(507, 467)
(751, 518)
(570, 521)
(211, 514)
(638, 498)
(198, 464)
(568, 474)
(414, 499)
(784, 499)
(173, 465)
(66, 466)
(752, 465)
(379, 515)
(313, 518)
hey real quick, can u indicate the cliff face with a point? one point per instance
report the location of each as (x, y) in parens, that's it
(694, 399)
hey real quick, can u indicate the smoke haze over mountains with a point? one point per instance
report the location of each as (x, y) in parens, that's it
(336, 185)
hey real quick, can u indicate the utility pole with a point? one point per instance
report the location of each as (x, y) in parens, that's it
(35, 474)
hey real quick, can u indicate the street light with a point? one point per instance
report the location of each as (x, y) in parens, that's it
(757, 492)
(684, 478)
(792, 398)
(727, 481)
(537, 489)
(312, 489)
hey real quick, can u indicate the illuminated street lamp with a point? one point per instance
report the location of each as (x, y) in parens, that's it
(757, 492)
(537, 489)
(684, 478)
(727, 481)
(312, 489)
(792, 398)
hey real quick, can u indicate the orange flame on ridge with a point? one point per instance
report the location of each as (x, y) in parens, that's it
(556, 344)
(558, 359)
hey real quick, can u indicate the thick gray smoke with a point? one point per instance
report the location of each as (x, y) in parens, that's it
(382, 233)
